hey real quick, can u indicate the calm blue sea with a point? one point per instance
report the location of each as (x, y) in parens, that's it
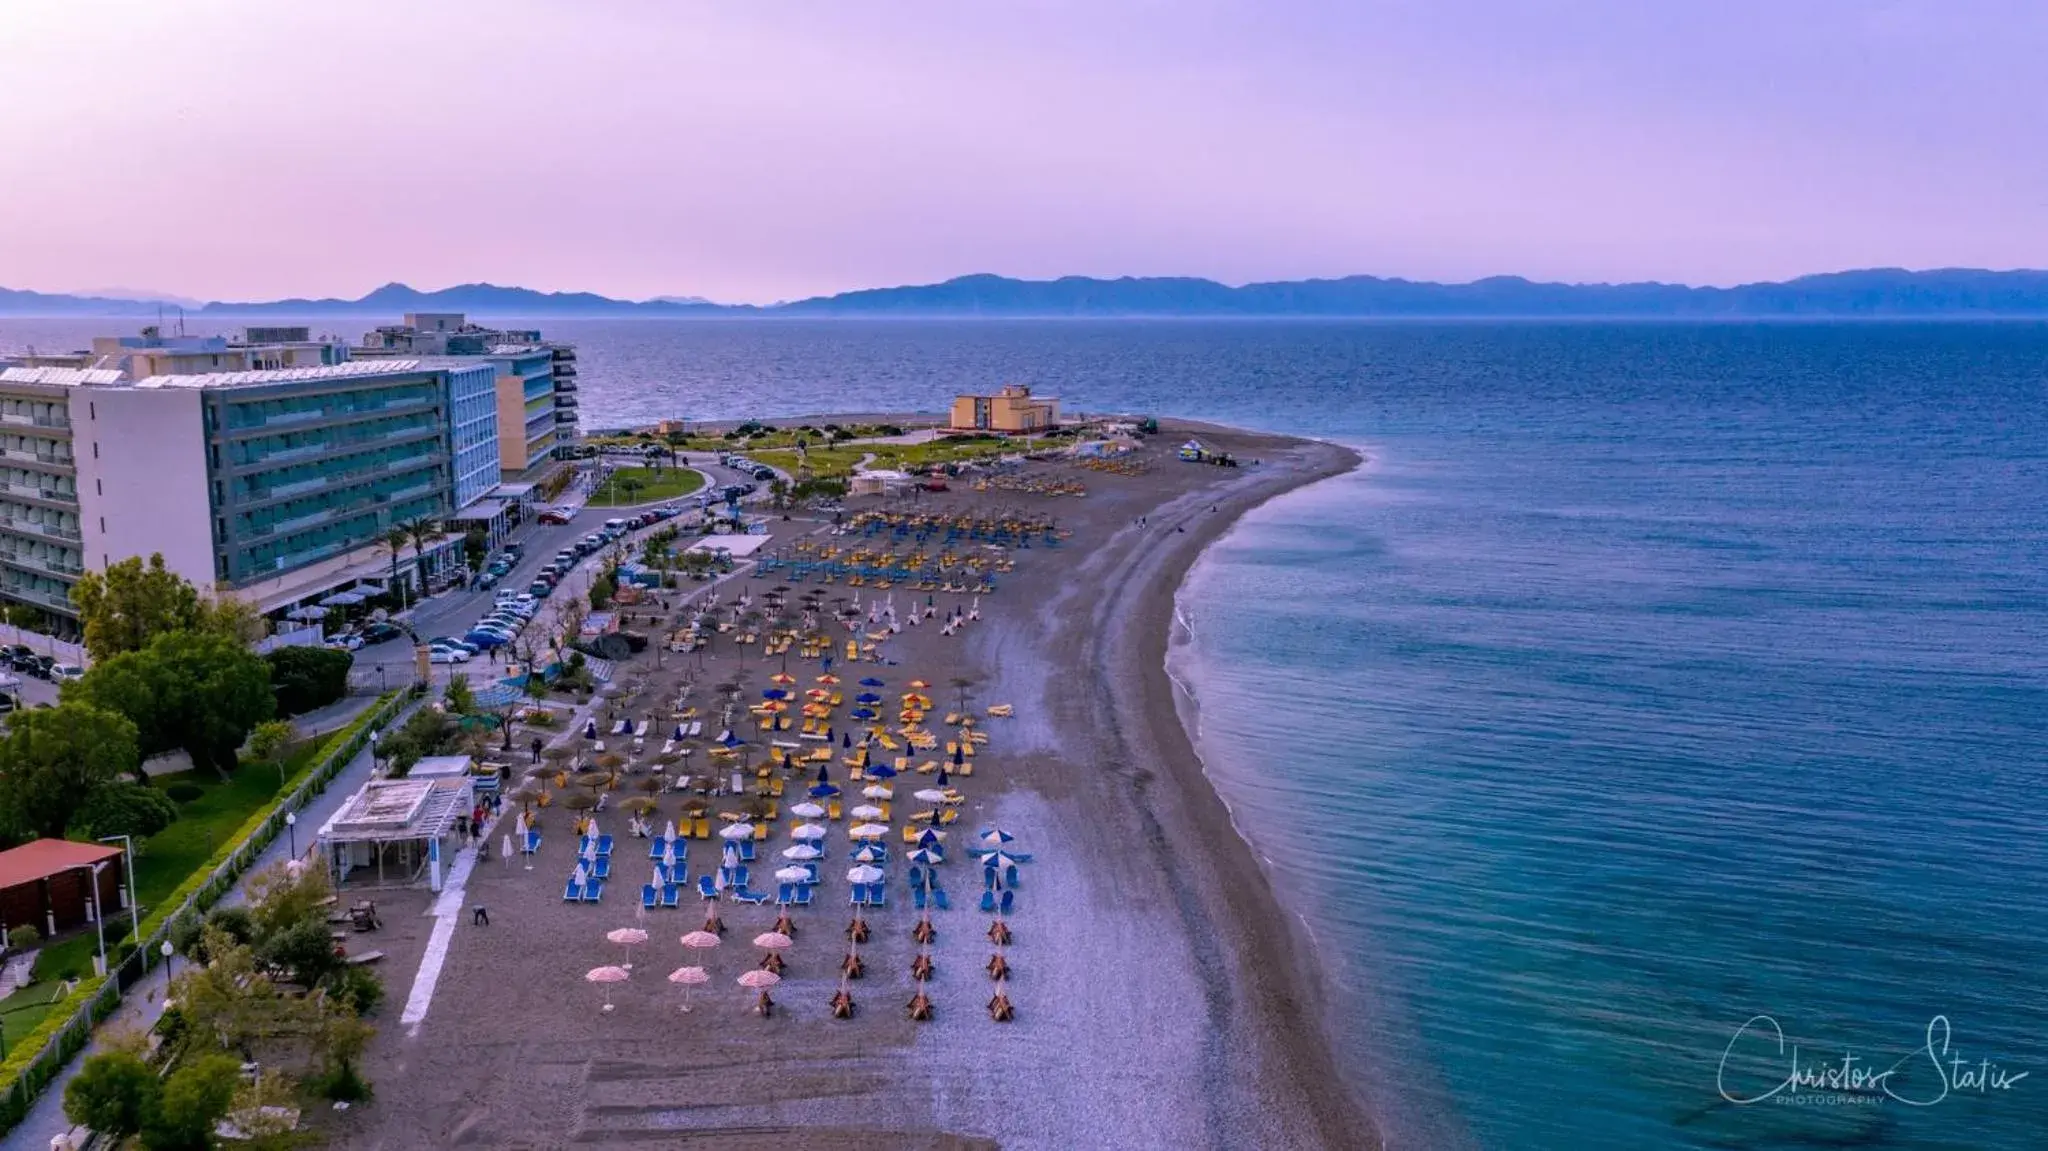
(1651, 678)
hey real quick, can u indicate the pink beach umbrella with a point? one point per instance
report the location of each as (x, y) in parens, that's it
(607, 976)
(700, 941)
(772, 941)
(689, 977)
(626, 937)
(758, 980)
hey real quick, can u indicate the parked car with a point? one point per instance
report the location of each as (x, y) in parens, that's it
(451, 641)
(381, 632)
(345, 641)
(539, 589)
(66, 672)
(14, 651)
(555, 516)
(447, 655)
(613, 525)
(37, 665)
(486, 640)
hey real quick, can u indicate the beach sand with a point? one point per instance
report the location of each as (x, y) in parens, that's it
(1164, 998)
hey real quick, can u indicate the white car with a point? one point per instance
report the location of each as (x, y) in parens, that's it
(447, 655)
(66, 672)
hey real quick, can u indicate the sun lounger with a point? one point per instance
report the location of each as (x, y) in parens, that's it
(649, 897)
(1009, 901)
(603, 868)
(857, 894)
(696, 728)
(671, 894)
(917, 897)
(571, 893)
(878, 895)
(785, 893)
(746, 851)
(742, 895)
(604, 845)
(700, 827)
(939, 897)
(832, 810)
(593, 891)
(532, 842)
(988, 901)
(803, 895)
(707, 887)
(641, 731)
(620, 727)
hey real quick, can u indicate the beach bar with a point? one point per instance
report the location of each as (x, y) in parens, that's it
(49, 884)
(397, 832)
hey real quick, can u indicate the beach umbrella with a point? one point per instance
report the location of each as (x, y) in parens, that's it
(793, 874)
(931, 795)
(867, 697)
(689, 977)
(732, 741)
(801, 851)
(772, 941)
(864, 874)
(783, 678)
(863, 713)
(808, 831)
(668, 830)
(758, 980)
(607, 976)
(868, 831)
(505, 850)
(736, 831)
(864, 811)
(996, 837)
(699, 941)
(871, 681)
(998, 859)
(594, 832)
(927, 856)
(774, 694)
(845, 742)
(918, 685)
(877, 791)
(824, 773)
(823, 790)
(668, 855)
(626, 937)
(806, 810)
(828, 679)
(869, 854)
(732, 856)
(882, 771)
(590, 850)
(929, 838)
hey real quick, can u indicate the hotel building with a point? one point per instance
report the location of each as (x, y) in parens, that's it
(537, 384)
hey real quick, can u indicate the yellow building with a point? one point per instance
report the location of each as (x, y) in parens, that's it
(1013, 410)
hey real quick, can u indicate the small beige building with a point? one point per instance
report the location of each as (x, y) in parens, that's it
(1013, 410)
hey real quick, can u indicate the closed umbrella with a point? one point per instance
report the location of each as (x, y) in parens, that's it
(505, 850)
(668, 830)
(607, 976)
(689, 977)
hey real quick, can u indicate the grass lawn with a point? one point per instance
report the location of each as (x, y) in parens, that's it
(837, 463)
(654, 487)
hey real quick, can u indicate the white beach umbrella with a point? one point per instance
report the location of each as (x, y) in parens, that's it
(801, 851)
(607, 976)
(594, 832)
(522, 827)
(931, 795)
(868, 831)
(996, 837)
(581, 876)
(736, 831)
(590, 850)
(864, 874)
(866, 811)
(505, 849)
(689, 977)
(808, 831)
(668, 830)
(807, 810)
(793, 874)
(869, 854)
(876, 791)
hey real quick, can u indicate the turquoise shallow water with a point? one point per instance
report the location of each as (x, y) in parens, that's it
(1651, 677)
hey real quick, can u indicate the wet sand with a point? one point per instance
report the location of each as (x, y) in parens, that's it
(1164, 998)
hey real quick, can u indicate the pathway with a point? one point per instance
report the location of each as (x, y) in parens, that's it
(142, 1005)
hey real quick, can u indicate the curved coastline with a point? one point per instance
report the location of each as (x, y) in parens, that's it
(1273, 999)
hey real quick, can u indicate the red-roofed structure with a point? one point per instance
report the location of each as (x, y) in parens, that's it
(47, 884)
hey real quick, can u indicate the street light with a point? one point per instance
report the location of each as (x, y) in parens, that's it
(291, 830)
(128, 857)
(99, 921)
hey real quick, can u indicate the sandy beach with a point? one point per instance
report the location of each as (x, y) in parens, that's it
(1164, 998)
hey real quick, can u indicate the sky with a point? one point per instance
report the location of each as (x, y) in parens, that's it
(756, 150)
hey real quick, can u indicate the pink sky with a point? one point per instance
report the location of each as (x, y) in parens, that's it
(756, 150)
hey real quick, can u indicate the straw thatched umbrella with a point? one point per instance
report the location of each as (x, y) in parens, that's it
(590, 779)
(640, 805)
(611, 763)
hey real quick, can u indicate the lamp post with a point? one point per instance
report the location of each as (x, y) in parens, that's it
(128, 896)
(168, 952)
(99, 920)
(375, 763)
(291, 830)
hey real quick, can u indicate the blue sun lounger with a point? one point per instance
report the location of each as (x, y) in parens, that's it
(671, 894)
(939, 897)
(649, 897)
(593, 891)
(705, 888)
(746, 851)
(858, 895)
(743, 895)
(603, 870)
(785, 893)
(988, 902)
(878, 895)
(571, 893)
(1009, 901)
(532, 842)
(604, 845)
(803, 895)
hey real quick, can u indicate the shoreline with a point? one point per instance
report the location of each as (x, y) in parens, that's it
(1276, 994)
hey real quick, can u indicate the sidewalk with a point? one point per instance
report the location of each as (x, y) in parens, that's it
(144, 1002)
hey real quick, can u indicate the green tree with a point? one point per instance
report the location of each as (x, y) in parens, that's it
(190, 691)
(270, 743)
(303, 950)
(122, 808)
(114, 1093)
(419, 533)
(195, 1098)
(394, 540)
(460, 699)
(131, 603)
(628, 485)
(476, 547)
(53, 760)
(305, 678)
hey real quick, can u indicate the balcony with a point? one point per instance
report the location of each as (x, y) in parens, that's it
(35, 421)
(565, 415)
(564, 370)
(41, 565)
(336, 416)
(564, 400)
(270, 461)
(51, 600)
(46, 495)
(564, 354)
(565, 387)
(38, 529)
(42, 459)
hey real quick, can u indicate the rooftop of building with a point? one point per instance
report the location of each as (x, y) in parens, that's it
(269, 376)
(69, 377)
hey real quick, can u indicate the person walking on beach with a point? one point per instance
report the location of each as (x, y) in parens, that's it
(479, 916)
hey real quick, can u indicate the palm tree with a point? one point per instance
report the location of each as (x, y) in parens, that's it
(394, 540)
(420, 532)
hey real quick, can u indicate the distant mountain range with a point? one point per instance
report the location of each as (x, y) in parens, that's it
(1874, 292)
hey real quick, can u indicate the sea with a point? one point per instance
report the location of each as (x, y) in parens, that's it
(1652, 734)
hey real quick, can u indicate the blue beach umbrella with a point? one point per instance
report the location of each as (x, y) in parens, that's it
(824, 773)
(871, 681)
(774, 693)
(994, 836)
(869, 854)
(822, 790)
(882, 771)
(590, 729)
(997, 859)
(867, 697)
(926, 855)
(732, 740)
(930, 838)
(679, 732)
(863, 713)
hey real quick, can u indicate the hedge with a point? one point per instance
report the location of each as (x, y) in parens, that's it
(40, 1055)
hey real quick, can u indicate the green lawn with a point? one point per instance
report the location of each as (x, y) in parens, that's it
(654, 487)
(836, 463)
